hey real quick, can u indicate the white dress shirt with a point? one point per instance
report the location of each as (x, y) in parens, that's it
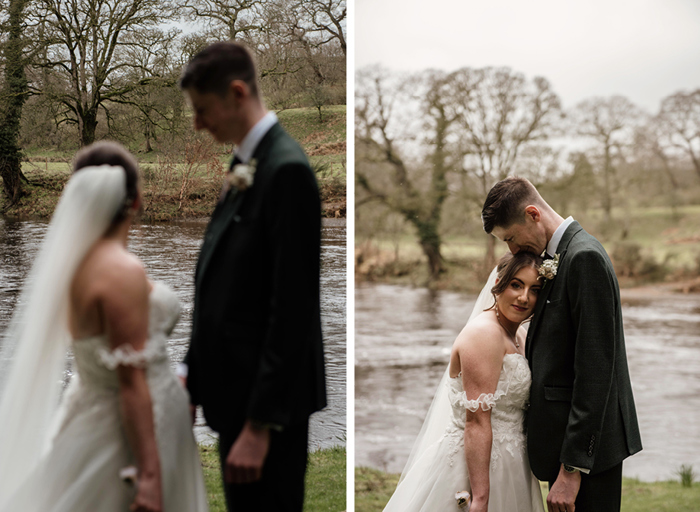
(246, 148)
(557, 235)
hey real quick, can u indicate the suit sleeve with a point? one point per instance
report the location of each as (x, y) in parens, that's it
(594, 303)
(293, 237)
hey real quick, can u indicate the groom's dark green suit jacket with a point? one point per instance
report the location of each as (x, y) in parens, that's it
(256, 349)
(582, 410)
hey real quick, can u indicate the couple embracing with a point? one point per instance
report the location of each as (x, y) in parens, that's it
(120, 438)
(553, 402)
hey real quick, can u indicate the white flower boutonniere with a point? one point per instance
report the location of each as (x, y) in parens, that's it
(548, 269)
(242, 175)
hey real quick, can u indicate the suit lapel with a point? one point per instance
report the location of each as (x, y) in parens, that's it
(543, 298)
(220, 221)
(227, 212)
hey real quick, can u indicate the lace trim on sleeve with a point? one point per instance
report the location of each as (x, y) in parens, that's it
(126, 355)
(486, 401)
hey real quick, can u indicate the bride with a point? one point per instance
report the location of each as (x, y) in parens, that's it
(123, 411)
(472, 439)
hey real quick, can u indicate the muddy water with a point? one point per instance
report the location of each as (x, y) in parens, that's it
(402, 342)
(169, 252)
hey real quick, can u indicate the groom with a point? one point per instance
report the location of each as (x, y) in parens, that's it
(255, 361)
(581, 423)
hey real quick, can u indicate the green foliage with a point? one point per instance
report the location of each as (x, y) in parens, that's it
(687, 475)
(325, 479)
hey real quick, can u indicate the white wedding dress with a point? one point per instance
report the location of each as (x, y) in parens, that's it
(439, 470)
(80, 470)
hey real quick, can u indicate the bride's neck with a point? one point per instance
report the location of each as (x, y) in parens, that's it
(119, 232)
(509, 326)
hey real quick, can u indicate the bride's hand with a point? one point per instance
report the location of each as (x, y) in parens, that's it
(148, 498)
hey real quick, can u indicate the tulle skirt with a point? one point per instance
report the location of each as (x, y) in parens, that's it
(80, 472)
(432, 482)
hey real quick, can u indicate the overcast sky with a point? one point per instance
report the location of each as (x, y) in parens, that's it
(641, 49)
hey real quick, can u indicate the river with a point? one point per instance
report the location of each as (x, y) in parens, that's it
(169, 252)
(402, 344)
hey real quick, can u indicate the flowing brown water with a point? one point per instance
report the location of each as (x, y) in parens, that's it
(402, 345)
(169, 252)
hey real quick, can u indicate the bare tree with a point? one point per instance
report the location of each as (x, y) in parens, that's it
(228, 19)
(499, 114)
(85, 44)
(325, 18)
(679, 118)
(610, 123)
(417, 194)
(155, 71)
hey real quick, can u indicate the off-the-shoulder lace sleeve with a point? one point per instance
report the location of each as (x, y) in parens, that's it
(486, 401)
(126, 355)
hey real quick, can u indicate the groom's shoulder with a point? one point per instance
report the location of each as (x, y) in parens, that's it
(285, 150)
(586, 252)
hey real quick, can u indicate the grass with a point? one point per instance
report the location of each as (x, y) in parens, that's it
(325, 480)
(686, 474)
(373, 488)
(303, 124)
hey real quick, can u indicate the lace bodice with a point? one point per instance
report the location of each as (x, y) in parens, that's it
(96, 362)
(507, 405)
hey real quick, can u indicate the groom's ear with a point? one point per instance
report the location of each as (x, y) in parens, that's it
(533, 212)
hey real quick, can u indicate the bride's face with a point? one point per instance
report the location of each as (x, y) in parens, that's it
(518, 300)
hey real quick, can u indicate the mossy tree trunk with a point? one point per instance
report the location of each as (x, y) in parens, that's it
(14, 95)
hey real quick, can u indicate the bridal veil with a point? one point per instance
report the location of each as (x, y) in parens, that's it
(439, 413)
(33, 352)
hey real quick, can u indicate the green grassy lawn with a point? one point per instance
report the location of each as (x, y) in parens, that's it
(325, 480)
(304, 125)
(373, 488)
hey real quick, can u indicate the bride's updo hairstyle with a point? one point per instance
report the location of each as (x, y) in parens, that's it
(509, 265)
(112, 153)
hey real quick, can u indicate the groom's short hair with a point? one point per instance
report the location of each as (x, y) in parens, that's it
(213, 69)
(506, 201)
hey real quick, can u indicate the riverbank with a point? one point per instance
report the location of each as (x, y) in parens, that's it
(325, 480)
(659, 246)
(182, 178)
(373, 488)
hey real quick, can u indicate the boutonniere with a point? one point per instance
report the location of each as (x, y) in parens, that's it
(548, 269)
(241, 176)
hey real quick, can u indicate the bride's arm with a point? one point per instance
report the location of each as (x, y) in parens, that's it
(481, 359)
(125, 309)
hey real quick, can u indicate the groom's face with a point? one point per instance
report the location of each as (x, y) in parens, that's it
(217, 114)
(528, 236)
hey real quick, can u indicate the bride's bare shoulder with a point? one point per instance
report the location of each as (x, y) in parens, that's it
(108, 269)
(482, 329)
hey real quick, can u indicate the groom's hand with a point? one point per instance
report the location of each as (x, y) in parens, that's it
(563, 493)
(245, 460)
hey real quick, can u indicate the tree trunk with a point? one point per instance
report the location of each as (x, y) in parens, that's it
(87, 134)
(430, 242)
(15, 94)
